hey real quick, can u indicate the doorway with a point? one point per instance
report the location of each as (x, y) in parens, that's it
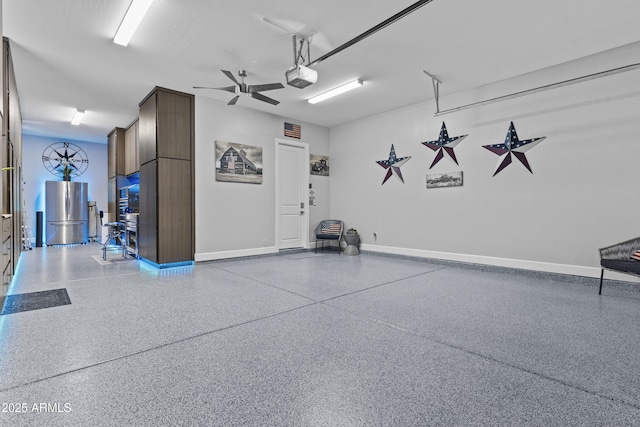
(292, 199)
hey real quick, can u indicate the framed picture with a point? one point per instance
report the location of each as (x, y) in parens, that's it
(319, 165)
(440, 180)
(238, 163)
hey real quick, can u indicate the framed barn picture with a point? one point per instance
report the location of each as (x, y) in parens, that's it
(238, 163)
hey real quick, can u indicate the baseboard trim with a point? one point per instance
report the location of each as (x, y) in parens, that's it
(547, 267)
(212, 256)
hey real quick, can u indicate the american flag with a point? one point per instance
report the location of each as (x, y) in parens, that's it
(330, 228)
(291, 130)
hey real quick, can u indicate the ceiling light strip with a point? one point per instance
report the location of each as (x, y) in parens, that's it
(77, 117)
(373, 30)
(335, 91)
(132, 19)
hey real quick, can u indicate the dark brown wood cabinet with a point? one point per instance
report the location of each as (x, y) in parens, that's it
(166, 144)
(147, 130)
(116, 154)
(113, 197)
(148, 216)
(165, 126)
(131, 163)
(115, 170)
(11, 177)
(112, 200)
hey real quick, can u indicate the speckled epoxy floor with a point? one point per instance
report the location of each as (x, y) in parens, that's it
(315, 340)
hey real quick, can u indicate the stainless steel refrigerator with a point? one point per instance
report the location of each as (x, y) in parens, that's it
(67, 214)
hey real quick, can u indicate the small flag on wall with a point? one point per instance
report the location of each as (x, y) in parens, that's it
(291, 130)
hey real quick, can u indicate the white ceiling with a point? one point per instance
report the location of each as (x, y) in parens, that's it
(64, 57)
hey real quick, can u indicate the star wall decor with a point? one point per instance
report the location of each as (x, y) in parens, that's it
(443, 145)
(393, 165)
(513, 147)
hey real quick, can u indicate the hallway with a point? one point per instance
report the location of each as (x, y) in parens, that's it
(299, 339)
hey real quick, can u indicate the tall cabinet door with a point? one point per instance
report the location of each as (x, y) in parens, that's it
(115, 163)
(112, 200)
(174, 125)
(174, 211)
(131, 164)
(147, 124)
(148, 217)
(115, 169)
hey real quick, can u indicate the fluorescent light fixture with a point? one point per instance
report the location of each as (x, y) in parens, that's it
(336, 91)
(133, 17)
(77, 117)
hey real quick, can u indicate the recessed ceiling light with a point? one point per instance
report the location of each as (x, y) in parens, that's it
(336, 91)
(77, 117)
(133, 17)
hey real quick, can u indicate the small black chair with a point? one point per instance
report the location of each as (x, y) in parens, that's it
(328, 230)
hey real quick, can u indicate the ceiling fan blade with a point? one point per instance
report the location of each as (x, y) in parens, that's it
(234, 100)
(231, 76)
(262, 88)
(261, 97)
(231, 89)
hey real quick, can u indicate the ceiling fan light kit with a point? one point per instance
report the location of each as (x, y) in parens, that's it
(132, 19)
(336, 91)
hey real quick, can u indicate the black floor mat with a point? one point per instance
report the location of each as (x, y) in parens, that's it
(35, 301)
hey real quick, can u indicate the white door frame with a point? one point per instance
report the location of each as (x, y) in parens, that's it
(305, 185)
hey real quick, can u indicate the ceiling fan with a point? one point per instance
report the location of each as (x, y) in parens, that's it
(251, 90)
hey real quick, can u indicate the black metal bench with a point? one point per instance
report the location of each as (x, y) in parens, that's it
(618, 258)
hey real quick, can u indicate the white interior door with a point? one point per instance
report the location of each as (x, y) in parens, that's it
(292, 183)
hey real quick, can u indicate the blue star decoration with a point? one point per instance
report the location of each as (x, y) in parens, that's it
(443, 145)
(513, 147)
(393, 165)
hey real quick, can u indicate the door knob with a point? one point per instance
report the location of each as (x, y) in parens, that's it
(301, 212)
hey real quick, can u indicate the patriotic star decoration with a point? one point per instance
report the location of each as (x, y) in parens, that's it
(513, 147)
(393, 165)
(444, 144)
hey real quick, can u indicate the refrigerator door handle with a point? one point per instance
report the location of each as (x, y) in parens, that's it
(67, 202)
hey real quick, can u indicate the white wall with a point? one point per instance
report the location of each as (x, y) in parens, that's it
(234, 219)
(584, 193)
(35, 175)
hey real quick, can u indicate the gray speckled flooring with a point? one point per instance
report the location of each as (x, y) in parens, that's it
(315, 340)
